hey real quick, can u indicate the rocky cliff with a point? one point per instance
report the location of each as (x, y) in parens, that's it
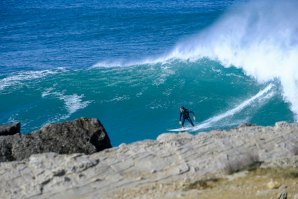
(173, 166)
(84, 135)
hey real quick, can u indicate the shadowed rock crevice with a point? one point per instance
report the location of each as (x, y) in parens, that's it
(100, 140)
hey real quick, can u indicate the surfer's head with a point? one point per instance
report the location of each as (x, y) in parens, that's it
(182, 108)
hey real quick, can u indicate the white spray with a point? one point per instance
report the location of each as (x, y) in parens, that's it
(261, 37)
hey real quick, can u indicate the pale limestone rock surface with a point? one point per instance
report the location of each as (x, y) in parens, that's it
(147, 165)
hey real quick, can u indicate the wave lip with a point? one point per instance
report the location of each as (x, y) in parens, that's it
(163, 59)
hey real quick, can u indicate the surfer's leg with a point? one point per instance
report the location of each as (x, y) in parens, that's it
(183, 120)
(190, 121)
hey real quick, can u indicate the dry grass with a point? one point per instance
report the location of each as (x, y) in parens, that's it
(202, 184)
(285, 173)
(251, 185)
(290, 173)
(293, 173)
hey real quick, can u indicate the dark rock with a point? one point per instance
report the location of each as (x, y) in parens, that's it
(10, 129)
(6, 148)
(283, 194)
(246, 125)
(84, 135)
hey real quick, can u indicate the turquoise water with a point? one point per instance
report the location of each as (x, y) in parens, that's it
(132, 64)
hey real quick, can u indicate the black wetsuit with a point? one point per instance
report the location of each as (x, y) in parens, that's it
(185, 116)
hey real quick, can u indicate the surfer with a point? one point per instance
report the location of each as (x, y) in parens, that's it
(184, 114)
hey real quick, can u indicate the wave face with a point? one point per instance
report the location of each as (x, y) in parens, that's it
(132, 65)
(141, 102)
(260, 37)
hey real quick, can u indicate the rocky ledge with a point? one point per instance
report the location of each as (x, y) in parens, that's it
(173, 166)
(84, 135)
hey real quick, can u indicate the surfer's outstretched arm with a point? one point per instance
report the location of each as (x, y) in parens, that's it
(180, 118)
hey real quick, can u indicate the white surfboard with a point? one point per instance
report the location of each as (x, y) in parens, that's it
(180, 129)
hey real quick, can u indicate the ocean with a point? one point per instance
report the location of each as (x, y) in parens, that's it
(132, 64)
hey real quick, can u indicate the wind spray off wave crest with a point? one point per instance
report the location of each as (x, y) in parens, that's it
(261, 37)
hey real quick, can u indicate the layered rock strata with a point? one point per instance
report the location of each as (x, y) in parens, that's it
(152, 168)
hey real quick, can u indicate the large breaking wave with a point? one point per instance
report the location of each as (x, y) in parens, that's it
(260, 37)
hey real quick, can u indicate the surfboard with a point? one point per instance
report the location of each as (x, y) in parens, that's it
(180, 129)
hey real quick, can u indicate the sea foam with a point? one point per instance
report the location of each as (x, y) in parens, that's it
(72, 103)
(25, 76)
